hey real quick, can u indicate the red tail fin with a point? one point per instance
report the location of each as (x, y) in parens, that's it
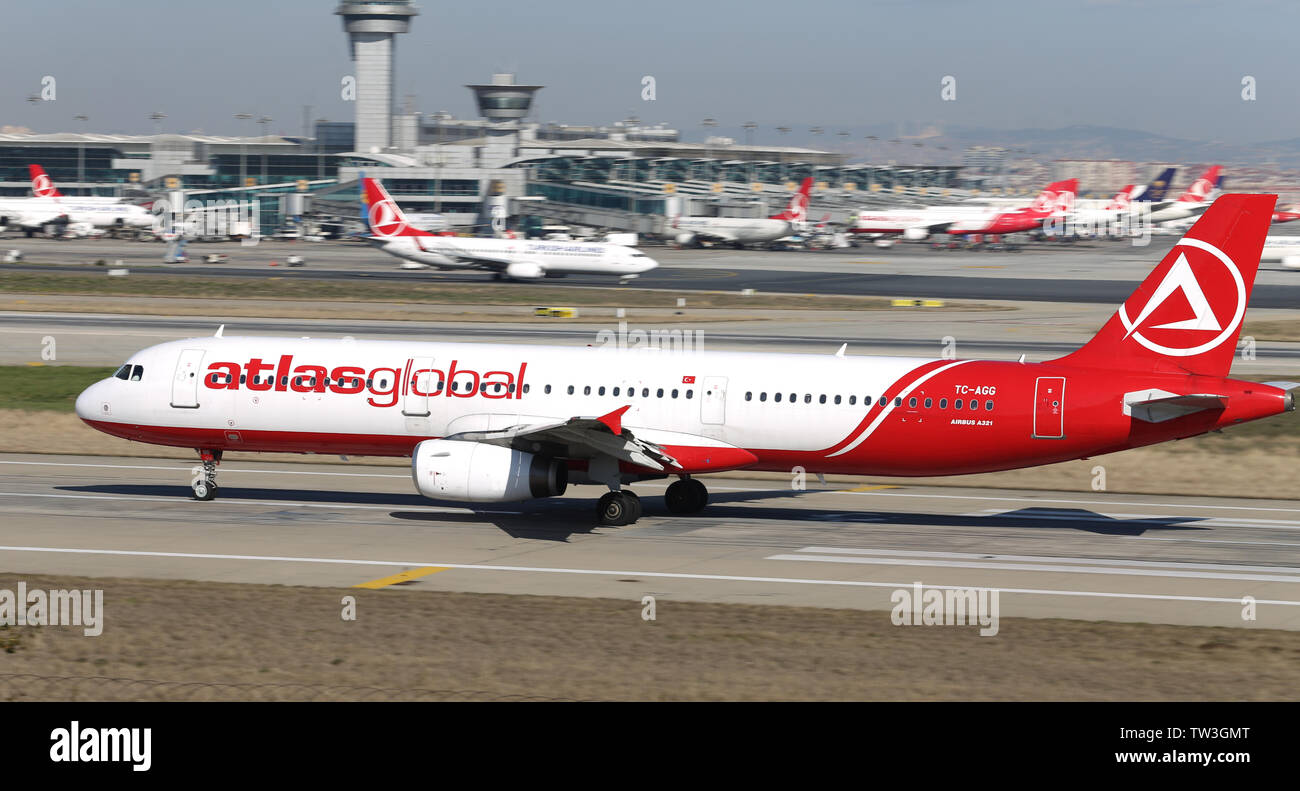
(1187, 314)
(797, 210)
(383, 215)
(1123, 199)
(1198, 190)
(42, 187)
(1055, 197)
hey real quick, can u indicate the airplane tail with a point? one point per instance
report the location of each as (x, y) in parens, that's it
(383, 216)
(1187, 314)
(797, 210)
(1200, 189)
(1055, 197)
(1123, 198)
(1155, 191)
(42, 186)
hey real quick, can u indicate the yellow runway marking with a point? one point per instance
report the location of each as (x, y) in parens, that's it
(405, 576)
(872, 488)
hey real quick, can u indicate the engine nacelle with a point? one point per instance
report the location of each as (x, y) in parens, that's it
(1291, 261)
(525, 271)
(915, 234)
(476, 472)
(684, 239)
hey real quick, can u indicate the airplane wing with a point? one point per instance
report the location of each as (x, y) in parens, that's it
(714, 235)
(30, 219)
(579, 438)
(1157, 406)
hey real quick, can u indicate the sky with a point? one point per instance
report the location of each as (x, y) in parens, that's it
(1171, 67)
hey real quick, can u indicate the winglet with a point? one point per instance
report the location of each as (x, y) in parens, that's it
(220, 330)
(843, 349)
(614, 420)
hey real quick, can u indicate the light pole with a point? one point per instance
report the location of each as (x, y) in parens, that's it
(264, 120)
(157, 117)
(81, 147)
(243, 167)
(816, 130)
(749, 127)
(784, 130)
(708, 123)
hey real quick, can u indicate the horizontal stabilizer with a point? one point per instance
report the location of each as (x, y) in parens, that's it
(1157, 406)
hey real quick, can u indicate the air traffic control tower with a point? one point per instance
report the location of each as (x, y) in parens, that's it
(371, 26)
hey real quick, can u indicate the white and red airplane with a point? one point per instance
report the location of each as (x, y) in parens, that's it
(740, 231)
(84, 214)
(496, 423)
(512, 259)
(1056, 199)
(1194, 200)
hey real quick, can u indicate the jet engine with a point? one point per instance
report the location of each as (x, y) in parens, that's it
(684, 239)
(1291, 261)
(915, 234)
(475, 472)
(525, 271)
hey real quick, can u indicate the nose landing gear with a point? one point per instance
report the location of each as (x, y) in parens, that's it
(204, 483)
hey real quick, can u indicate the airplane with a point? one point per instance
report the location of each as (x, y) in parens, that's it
(513, 259)
(1192, 202)
(1285, 215)
(489, 423)
(739, 231)
(917, 224)
(83, 215)
(1284, 250)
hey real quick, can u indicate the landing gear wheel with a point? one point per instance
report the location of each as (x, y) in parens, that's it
(686, 496)
(615, 509)
(634, 504)
(203, 490)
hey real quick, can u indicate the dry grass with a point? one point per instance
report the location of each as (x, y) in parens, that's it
(265, 639)
(1280, 330)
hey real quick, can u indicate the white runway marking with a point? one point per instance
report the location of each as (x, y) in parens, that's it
(612, 573)
(132, 499)
(185, 465)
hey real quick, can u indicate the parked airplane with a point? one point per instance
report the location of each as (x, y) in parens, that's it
(740, 231)
(1284, 250)
(80, 215)
(497, 423)
(916, 224)
(1193, 201)
(514, 259)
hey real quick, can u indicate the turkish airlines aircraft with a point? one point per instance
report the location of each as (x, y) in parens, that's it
(1055, 199)
(49, 205)
(1284, 250)
(514, 259)
(1193, 201)
(494, 423)
(740, 231)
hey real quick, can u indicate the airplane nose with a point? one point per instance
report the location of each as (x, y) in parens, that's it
(89, 403)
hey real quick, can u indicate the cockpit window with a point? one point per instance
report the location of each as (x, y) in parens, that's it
(123, 373)
(137, 372)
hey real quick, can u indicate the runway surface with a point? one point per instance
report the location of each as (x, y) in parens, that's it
(1079, 555)
(1096, 273)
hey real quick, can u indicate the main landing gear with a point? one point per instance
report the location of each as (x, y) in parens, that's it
(686, 496)
(205, 484)
(618, 508)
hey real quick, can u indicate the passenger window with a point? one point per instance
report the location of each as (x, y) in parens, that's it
(821, 399)
(943, 403)
(546, 390)
(837, 399)
(883, 400)
(586, 390)
(616, 391)
(527, 388)
(794, 397)
(974, 405)
(911, 402)
(242, 379)
(762, 396)
(284, 382)
(570, 389)
(854, 400)
(645, 392)
(601, 391)
(690, 393)
(660, 393)
(777, 398)
(929, 402)
(674, 392)
(956, 404)
(898, 401)
(455, 386)
(988, 406)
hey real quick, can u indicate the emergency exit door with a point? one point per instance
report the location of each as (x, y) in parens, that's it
(418, 387)
(713, 400)
(1049, 407)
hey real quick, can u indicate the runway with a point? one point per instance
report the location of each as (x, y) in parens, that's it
(1101, 273)
(1079, 555)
